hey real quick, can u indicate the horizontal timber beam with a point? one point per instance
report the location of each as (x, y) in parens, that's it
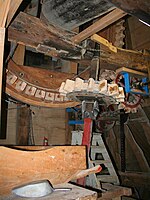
(47, 39)
(122, 57)
(135, 179)
(102, 23)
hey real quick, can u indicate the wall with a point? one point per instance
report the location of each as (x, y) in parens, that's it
(48, 122)
(139, 34)
(11, 125)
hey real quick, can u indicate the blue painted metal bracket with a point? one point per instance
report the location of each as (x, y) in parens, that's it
(74, 122)
(128, 88)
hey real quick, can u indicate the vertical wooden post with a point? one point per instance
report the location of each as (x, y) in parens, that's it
(19, 54)
(23, 113)
(7, 7)
(2, 38)
(14, 5)
(4, 8)
(23, 125)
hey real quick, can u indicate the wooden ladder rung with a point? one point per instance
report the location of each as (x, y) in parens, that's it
(107, 178)
(101, 162)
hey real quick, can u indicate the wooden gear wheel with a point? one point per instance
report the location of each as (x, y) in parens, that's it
(36, 86)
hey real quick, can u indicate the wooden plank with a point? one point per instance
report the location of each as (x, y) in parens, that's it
(58, 165)
(102, 23)
(103, 41)
(4, 8)
(77, 193)
(14, 5)
(131, 71)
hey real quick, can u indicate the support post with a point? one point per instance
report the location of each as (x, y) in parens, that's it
(2, 38)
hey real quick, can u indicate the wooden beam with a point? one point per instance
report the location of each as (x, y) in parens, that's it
(135, 179)
(137, 150)
(102, 23)
(140, 138)
(2, 38)
(4, 8)
(122, 57)
(54, 42)
(31, 31)
(23, 113)
(14, 5)
(19, 54)
(131, 71)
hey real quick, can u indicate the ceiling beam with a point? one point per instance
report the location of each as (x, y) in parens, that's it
(102, 23)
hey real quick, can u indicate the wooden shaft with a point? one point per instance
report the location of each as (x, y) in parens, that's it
(4, 8)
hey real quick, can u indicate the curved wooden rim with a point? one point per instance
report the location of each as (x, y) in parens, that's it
(37, 87)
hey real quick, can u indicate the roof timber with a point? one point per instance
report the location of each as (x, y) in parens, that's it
(102, 23)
